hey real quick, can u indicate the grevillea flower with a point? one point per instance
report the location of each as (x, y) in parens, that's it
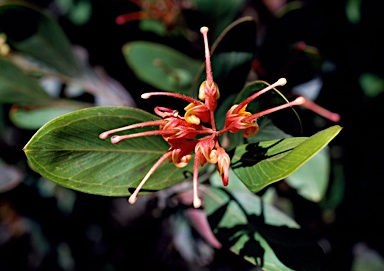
(166, 11)
(196, 132)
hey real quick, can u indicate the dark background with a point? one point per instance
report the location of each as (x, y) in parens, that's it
(99, 233)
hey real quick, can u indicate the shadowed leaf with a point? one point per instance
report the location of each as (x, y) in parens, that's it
(263, 163)
(259, 232)
(17, 87)
(35, 33)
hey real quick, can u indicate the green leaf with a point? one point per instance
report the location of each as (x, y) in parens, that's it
(267, 131)
(80, 12)
(32, 32)
(311, 179)
(353, 11)
(17, 87)
(259, 232)
(153, 25)
(69, 152)
(261, 164)
(161, 66)
(33, 117)
(371, 84)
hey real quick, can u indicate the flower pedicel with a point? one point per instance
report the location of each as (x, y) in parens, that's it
(181, 131)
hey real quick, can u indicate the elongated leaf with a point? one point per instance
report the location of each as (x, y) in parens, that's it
(36, 34)
(68, 151)
(259, 232)
(17, 87)
(161, 66)
(33, 117)
(311, 179)
(263, 163)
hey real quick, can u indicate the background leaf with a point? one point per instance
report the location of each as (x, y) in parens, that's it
(161, 66)
(68, 151)
(33, 117)
(263, 163)
(32, 32)
(311, 179)
(17, 87)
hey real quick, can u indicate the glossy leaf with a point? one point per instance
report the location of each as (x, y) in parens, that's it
(261, 164)
(259, 232)
(311, 179)
(33, 117)
(161, 66)
(17, 87)
(68, 151)
(35, 33)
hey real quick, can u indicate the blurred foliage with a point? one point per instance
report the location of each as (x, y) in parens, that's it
(57, 57)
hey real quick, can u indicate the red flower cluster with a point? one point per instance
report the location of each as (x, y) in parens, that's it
(166, 11)
(181, 131)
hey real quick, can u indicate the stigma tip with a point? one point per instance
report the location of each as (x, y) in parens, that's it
(300, 100)
(196, 202)
(115, 139)
(281, 81)
(103, 135)
(204, 30)
(132, 199)
(145, 95)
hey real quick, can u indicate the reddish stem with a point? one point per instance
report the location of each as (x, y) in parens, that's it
(171, 94)
(208, 67)
(280, 82)
(133, 126)
(321, 111)
(132, 199)
(196, 199)
(297, 101)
